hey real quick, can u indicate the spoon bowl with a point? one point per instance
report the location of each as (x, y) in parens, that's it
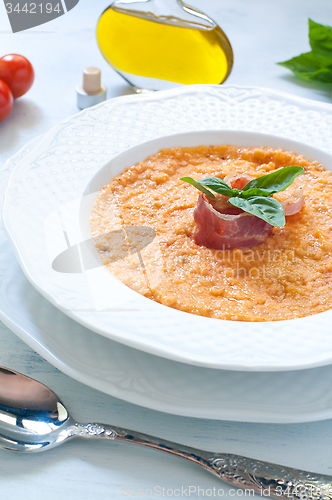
(31, 415)
(32, 418)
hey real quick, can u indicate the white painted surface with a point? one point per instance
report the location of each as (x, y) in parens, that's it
(261, 33)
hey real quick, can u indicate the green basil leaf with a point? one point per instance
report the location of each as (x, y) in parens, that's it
(265, 208)
(218, 185)
(320, 38)
(308, 67)
(275, 181)
(317, 64)
(198, 186)
(254, 192)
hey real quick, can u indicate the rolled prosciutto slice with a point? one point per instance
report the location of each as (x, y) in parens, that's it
(225, 227)
(238, 181)
(294, 203)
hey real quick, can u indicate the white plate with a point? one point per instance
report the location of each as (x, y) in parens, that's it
(150, 381)
(44, 196)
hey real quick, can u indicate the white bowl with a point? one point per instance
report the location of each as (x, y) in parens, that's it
(38, 212)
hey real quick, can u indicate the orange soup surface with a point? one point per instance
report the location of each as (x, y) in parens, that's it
(287, 276)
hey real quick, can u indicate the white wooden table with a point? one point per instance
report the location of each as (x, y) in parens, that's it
(261, 33)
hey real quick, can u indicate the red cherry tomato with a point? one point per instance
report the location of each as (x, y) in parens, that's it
(17, 72)
(6, 100)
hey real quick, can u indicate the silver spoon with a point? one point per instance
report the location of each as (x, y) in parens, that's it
(32, 418)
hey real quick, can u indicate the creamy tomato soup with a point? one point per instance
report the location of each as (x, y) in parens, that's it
(287, 276)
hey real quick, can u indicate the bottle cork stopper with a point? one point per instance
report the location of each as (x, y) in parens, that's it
(91, 91)
(91, 80)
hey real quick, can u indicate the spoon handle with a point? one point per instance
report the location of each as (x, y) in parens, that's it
(264, 478)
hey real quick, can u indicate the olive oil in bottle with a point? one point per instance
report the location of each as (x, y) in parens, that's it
(154, 51)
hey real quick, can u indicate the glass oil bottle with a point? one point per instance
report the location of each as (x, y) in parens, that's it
(157, 44)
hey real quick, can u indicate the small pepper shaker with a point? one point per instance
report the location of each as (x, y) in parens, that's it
(92, 91)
